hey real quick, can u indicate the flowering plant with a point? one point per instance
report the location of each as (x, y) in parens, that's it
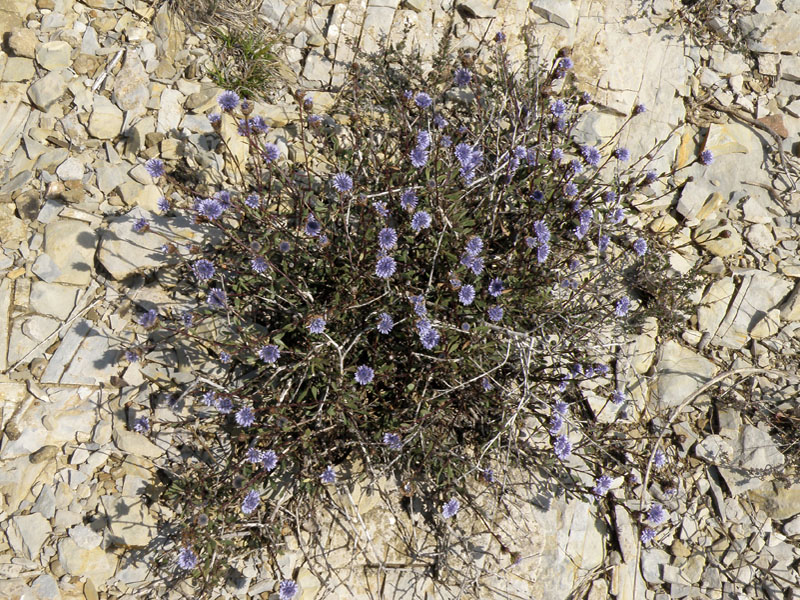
(438, 262)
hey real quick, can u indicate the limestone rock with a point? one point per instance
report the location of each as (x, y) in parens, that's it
(136, 444)
(105, 122)
(790, 309)
(71, 245)
(27, 534)
(560, 12)
(23, 42)
(47, 90)
(480, 9)
(129, 520)
(96, 564)
(131, 86)
(768, 326)
(680, 372)
(53, 55)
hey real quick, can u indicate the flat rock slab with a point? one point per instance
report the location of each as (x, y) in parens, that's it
(70, 245)
(129, 520)
(86, 355)
(680, 373)
(124, 252)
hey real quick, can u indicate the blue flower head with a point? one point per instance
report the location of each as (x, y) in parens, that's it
(317, 325)
(386, 267)
(203, 269)
(328, 475)
(706, 157)
(420, 220)
(387, 238)
(251, 502)
(155, 168)
(496, 287)
(364, 375)
(342, 183)
(228, 100)
(187, 559)
(287, 589)
(495, 313)
(245, 417)
(392, 440)
(423, 100)
(419, 157)
(462, 77)
(269, 354)
(385, 324)
(270, 153)
(450, 509)
(562, 447)
(466, 295)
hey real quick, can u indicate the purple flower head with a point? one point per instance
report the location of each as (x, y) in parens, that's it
(269, 353)
(162, 204)
(474, 245)
(602, 243)
(561, 407)
(342, 183)
(187, 559)
(258, 124)
(385, 324)
(287, 589)
(566, 63)
(639, 109)
(622, 306)
(364, 374)
(542, 232)
(243, 127)
(284, 246)
(203, 269)
(313, 227)
(562, 447)
(462, 77)
(495, 313)
(140, 224)
(616, 216)
(380, 208)
(253, 455)
(495, 287)
(228, 100)
(251, 502)
(419, 157)
(420, 220)
(648, 535)
(650, 177)
(317, 325)
(409, 200)
(387, 238)
(466, 295)
(210, 208)
(450, 508)
(141, 425)
(622, 154)
(500, 37)
(429, 338)
(392, 440)
(386, 267)
(570, 189)
(538, 196)
(640, 247)
(209, 398)
(245, 417)
(270, 153)
(214, 118)
(706, 157)
(575, 167)
(440, 122)
(476, 265)
(423, 100)
(423, 140)
(487, 385)
(259, 264)
(556, 423)
(328, 475)
(148, 319)
(542, 252)
(225, 358)
(618, 397)
(657, 515)
(659, 459)
(530, 241)
(217, 298)
(556, 154)
(602, 485)
(591, 155)
(131, 356)
(155, 168)
(609, 197)
(224, 199)
(224, 405)
(558, 108)
(269, 460)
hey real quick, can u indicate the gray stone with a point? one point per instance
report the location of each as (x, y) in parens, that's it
(680, 373)
(790, 309)
(775, 33)
(70, 170)
(792, 528)
(46, 268)
(19, 69)
(109, 176)
(53, 55)
(653, 561)
(47, 90)
(45, 502)
(71, 245)
(53, 299)
(26, 333)
(135, 443)
(131, 86)
(105, 122)
(95, 564)
(85, 537)
(12, 229)
(560, 12)
(89, 43)
(46, 588)
(27, 534)
(86, 355)
(130, 520)
(169, 111)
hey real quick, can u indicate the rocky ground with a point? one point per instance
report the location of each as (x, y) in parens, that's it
(89, 90)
